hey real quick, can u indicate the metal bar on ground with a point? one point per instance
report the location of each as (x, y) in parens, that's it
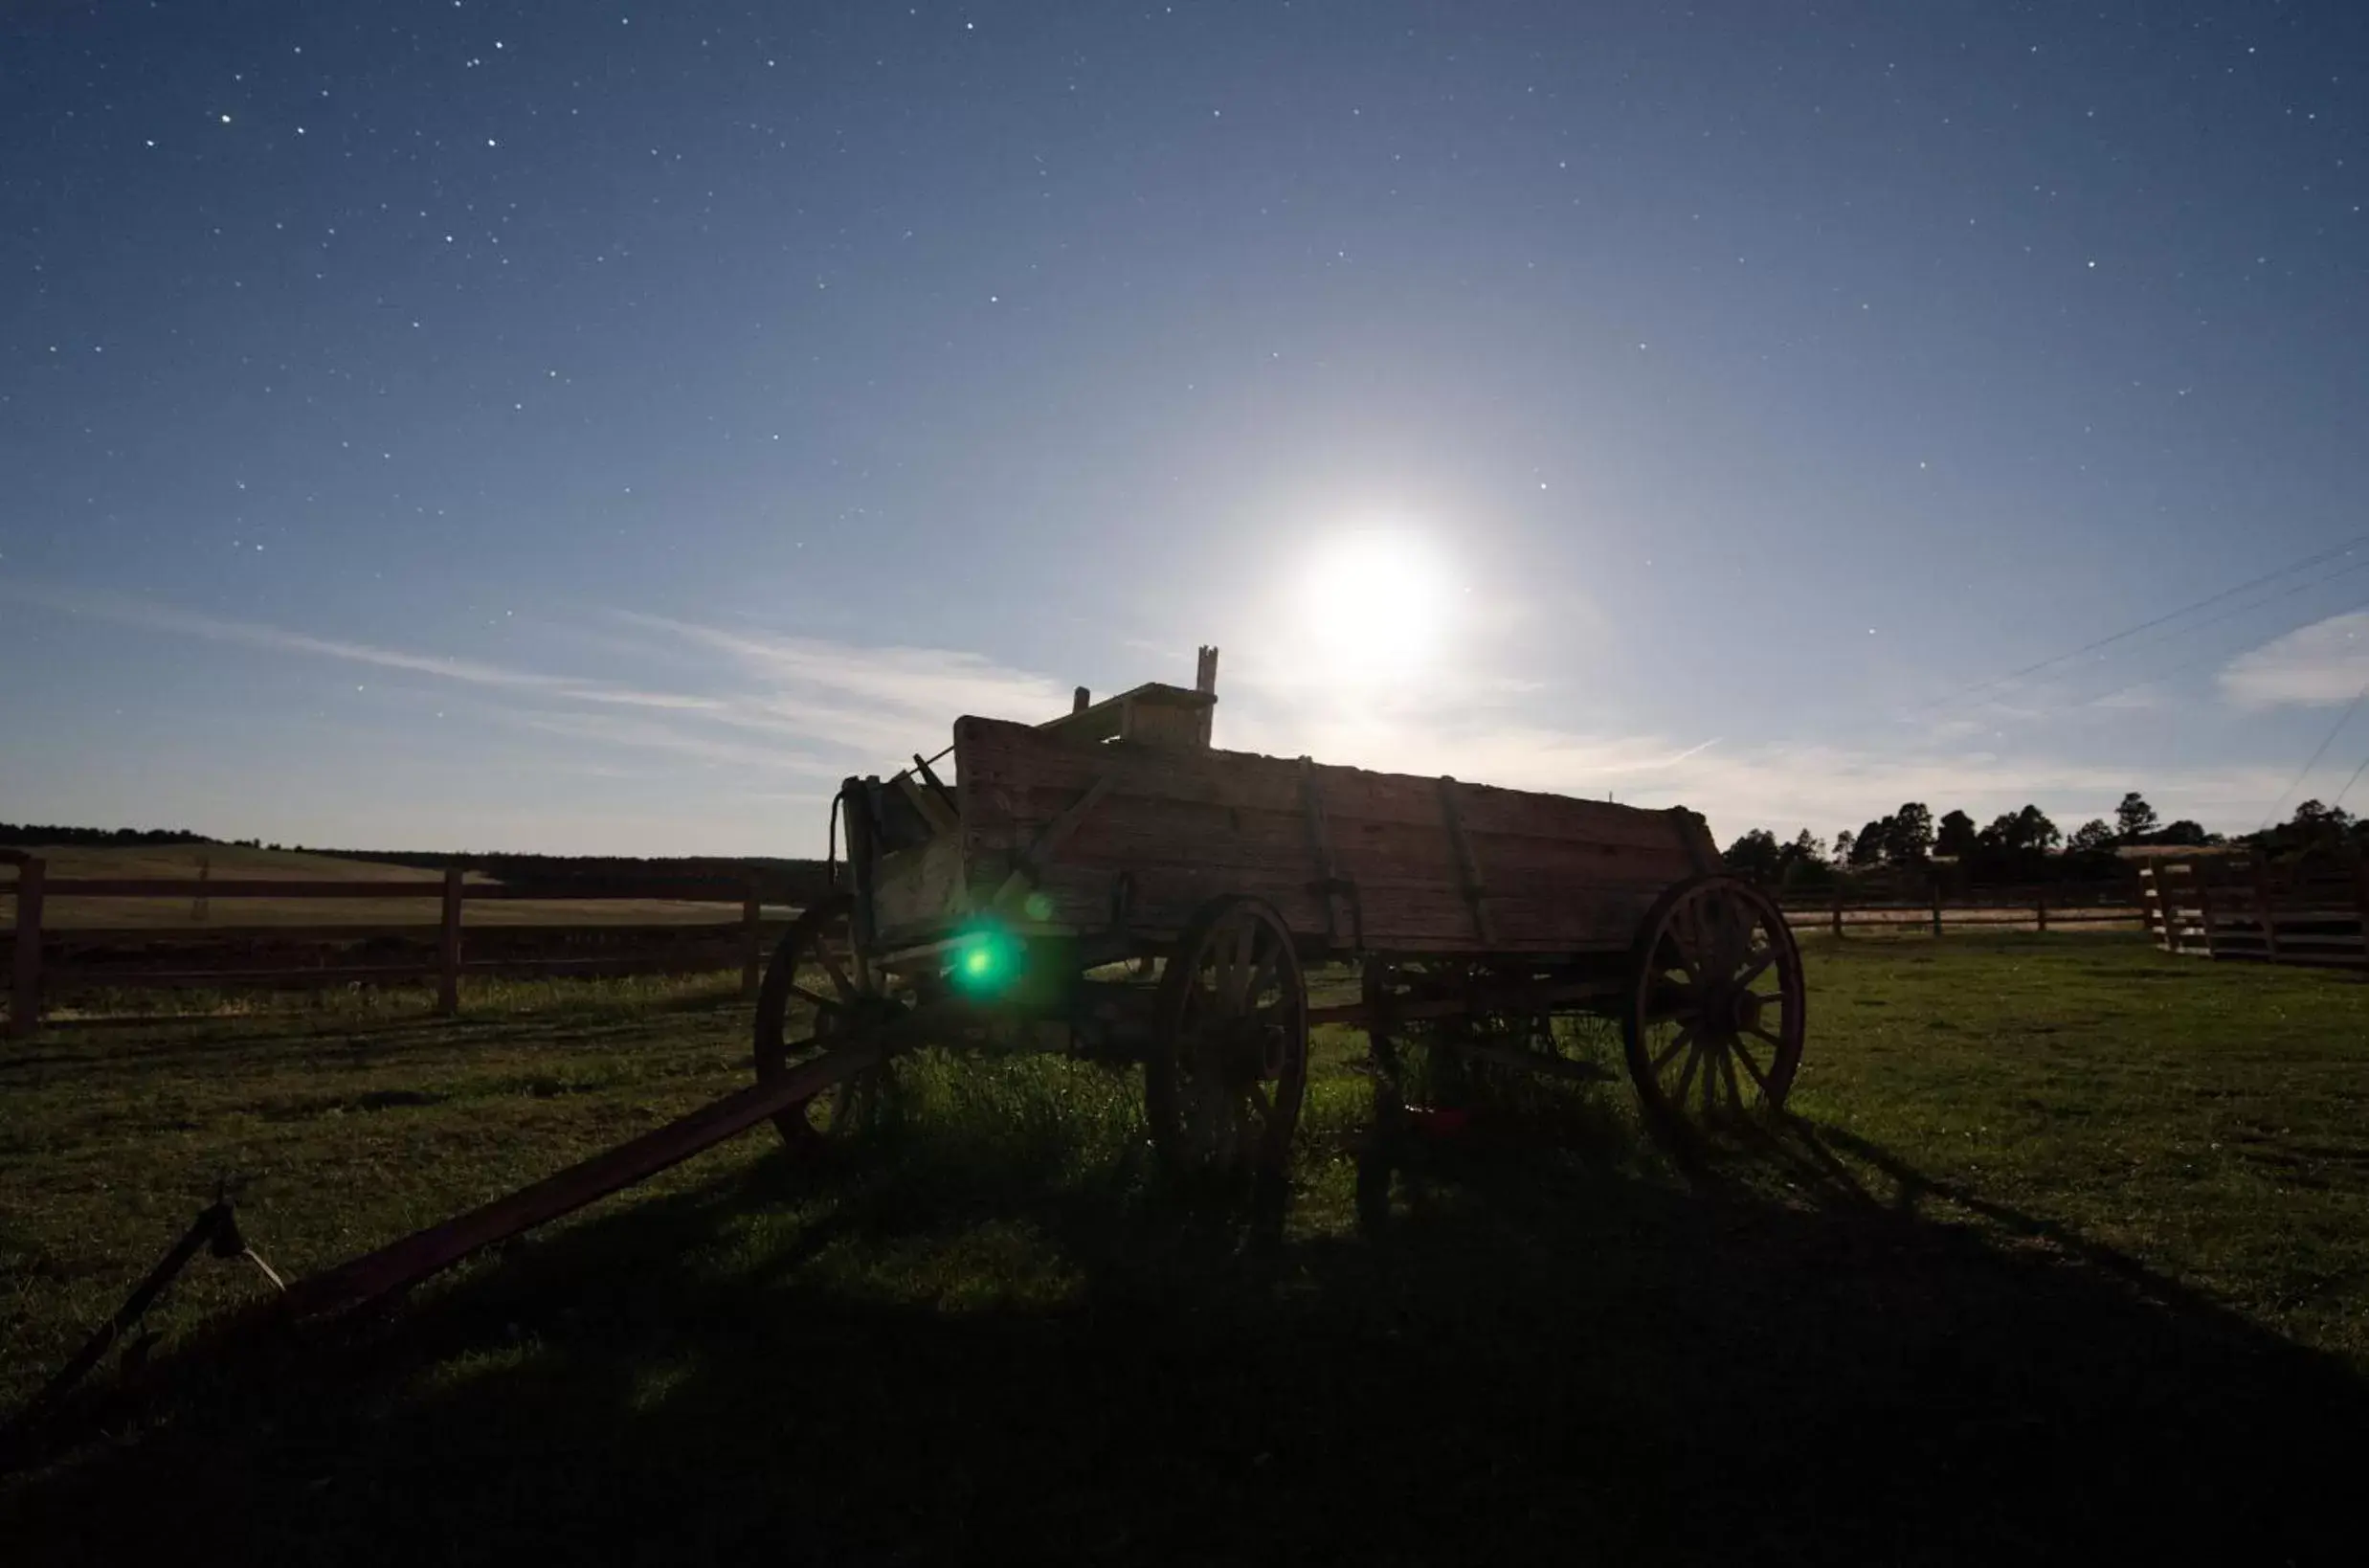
(424, 1253)
(202, 1231)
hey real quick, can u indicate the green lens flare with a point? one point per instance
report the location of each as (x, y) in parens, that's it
(990, 961)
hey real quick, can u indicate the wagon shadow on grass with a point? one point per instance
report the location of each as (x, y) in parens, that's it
(1543, 1348)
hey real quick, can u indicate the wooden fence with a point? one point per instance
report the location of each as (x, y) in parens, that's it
(2038, 909)
(2239, 907)
(33, 888)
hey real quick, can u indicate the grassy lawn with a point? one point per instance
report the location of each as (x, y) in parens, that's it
(2068, 1254)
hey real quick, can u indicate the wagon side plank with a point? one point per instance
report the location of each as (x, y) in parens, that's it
(1563, 874)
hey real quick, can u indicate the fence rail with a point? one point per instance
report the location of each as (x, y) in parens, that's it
(33, 888)
(2038, 909)
(2242, 908)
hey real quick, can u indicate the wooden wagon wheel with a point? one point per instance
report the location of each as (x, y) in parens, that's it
(1228, 1064)
(817, 966)
(1715, 1007)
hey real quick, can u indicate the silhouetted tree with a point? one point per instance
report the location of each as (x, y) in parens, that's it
(2037, 831)
(1956, 836)
(2134, 819)
(2020, 834)
(1755, 854)
(1867, 849)
(1909, 834)
(1843, 842)
(2091, 838)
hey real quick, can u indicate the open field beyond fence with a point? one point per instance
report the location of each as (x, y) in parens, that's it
(2069, 1254)
(83, 927)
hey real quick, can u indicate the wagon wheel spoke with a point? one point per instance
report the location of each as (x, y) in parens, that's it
(1759, 1078)
(831, 967)
(1759, 962)
(1686, 1079)
(1758, 1033)
(1726, 1073)
(1685, 1037)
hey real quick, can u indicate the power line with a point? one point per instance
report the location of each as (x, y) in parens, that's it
(2348, 784)
(2343, 718)
(2127, 633)
(2212, 658)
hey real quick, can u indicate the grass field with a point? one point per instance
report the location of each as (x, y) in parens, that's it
(226, 862)
(2067, 1257)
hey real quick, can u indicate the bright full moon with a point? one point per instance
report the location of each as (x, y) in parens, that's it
(1375, 607)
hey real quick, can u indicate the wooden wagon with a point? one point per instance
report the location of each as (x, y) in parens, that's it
(1107, 883)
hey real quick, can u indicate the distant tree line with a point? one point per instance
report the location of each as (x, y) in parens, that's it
(25, 835)
(2016, 847)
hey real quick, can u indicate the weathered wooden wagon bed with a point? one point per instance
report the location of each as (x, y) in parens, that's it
(1386, 863)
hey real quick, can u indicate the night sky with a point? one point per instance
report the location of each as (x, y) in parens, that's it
(598, 430)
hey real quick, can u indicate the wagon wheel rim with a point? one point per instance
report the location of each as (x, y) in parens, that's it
(817, 993)
(1716, 1017)
(1229, 1063)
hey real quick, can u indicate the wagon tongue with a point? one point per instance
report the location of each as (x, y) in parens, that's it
(417, 1256)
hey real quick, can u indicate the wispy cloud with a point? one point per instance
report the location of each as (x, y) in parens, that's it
(828, 676)
(159, 618)
(2317, 665)
(825, 704)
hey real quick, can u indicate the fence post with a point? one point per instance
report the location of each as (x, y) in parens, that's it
(198, 910)
(2361, 903)
(448, 956)
(752, 924)
(1838, 915)
(2040, 911)
(2205, 906)
(1937, 906)
(2263, 908)
(25, 1011)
